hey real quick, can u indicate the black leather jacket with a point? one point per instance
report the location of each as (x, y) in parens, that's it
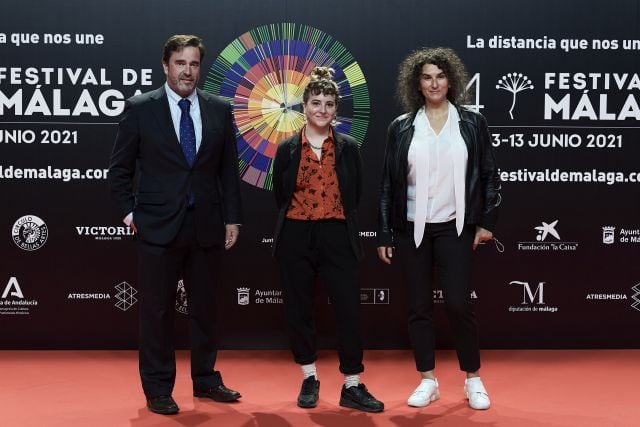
(482, 183)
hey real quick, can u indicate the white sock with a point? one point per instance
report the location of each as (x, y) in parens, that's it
(309, 370)
(351, 380)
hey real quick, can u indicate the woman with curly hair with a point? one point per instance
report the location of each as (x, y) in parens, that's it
(317, 182)
(439, 198)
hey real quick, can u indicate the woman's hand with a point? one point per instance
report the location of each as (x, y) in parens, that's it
(385, 253)
(482, 235)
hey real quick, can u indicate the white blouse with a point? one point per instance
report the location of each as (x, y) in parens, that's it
(436, 175)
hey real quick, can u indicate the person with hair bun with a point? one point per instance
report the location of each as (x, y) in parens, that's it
(317, 183)
(439, 198)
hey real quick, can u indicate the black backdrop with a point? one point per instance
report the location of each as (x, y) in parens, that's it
(571, 283)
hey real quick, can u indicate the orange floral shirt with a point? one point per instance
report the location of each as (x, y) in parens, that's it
(317, 194)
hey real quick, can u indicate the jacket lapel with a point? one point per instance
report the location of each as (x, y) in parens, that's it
(295, 153)
(338, 142)
(207, 125)
(160, 108)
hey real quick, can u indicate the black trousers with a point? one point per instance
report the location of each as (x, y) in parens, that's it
(160, 268)
(320, 249)
(441, 247)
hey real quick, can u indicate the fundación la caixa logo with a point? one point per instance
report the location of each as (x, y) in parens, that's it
(13, 301)
(29, 232)
(533, 298)
(547, 239)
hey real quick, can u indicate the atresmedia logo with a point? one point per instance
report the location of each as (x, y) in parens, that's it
(125, 296)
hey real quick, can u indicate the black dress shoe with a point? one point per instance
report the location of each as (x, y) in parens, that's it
(164, 405)
(359, 398)
(308, 397)
(218, 393)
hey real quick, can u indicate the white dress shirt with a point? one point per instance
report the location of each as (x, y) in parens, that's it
(194, 112)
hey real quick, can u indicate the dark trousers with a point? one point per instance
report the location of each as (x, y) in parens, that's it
(320, 249)
(160, 268)
(441, 247)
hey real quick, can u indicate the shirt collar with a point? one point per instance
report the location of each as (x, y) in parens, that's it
(305, 141)
(175, 98)
(419, 119)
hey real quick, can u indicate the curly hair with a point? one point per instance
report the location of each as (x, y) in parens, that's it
(408, 90)
(321, 83)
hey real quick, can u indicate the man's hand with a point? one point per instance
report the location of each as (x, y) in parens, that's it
(231, 235)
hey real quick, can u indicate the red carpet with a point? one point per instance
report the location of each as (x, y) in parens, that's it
(527, 388)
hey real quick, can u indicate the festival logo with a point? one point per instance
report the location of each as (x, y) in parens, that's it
(514, 83)
(263, 73)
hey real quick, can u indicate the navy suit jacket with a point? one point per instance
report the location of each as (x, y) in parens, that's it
(149, 175)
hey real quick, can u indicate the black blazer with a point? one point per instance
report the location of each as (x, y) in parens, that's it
(349, 173)
(147, 140)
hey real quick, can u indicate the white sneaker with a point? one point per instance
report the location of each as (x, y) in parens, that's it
(426, 393)
(476, 393)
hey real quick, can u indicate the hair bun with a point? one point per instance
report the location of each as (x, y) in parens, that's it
(322, 73)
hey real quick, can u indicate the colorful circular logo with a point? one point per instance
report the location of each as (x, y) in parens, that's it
(29, 233)
(263, 74)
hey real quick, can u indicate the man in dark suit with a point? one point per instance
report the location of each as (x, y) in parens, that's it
(184, 205)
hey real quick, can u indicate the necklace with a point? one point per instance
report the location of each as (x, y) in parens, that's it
(316, 147)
